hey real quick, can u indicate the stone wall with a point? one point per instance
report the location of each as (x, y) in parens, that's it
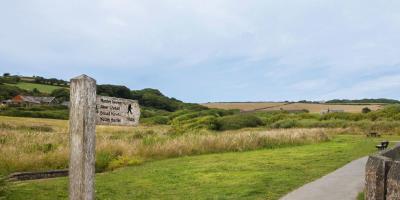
(20, 176)
(382, 175)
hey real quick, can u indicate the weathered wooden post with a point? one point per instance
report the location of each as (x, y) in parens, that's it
(82, 128)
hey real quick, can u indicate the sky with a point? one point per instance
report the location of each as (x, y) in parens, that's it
(211, 50)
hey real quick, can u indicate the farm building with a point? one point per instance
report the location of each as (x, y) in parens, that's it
(31, 100)
(331, 111)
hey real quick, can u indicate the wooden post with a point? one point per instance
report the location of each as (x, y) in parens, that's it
(82, 128)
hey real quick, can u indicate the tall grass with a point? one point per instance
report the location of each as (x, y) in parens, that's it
(30, 149)
(3, 187)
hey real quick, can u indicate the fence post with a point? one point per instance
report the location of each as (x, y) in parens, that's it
(82, 130)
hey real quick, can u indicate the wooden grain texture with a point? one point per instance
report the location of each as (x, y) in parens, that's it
(82, 128)
(117, 111)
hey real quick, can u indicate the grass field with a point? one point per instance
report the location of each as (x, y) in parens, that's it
(31, 86)
(261, 174)
(154, 162)
(313, 108)
(42, 144)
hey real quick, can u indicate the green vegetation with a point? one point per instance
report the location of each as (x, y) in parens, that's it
(3, 187)
(8, 92)
(49, 81)
(61, 94)
(366, 110)
(148, 98)
(360, 196)
(233, 122)
(158, 109)
(385, 120)
(51, 112)
(29, 144)
(232, 155)
(30, 86)
(260, 174)
(364, 101)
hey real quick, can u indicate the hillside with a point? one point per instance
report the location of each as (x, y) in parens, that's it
(30, 86)
(311, 107)
(152, 101)
(364, 101)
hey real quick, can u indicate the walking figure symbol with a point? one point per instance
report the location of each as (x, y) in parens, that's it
(130, 109)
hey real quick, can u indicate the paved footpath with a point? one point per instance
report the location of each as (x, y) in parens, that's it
(343, 184)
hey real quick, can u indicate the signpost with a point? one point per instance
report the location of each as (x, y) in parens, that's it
(87, 110)
(117, 111)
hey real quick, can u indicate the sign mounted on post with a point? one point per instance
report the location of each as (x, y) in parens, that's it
(117, 111)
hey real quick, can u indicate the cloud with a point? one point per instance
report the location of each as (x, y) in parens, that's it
(228, 50)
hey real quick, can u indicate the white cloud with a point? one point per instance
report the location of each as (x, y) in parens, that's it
(293, 45)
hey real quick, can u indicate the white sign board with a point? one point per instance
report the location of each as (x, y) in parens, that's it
(117, 111)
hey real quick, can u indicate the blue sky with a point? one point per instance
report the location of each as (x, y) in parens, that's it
(211, 50)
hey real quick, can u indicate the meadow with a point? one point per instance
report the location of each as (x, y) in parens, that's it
(30, 86)
(258, 174)
(42, 144)
(207, 153)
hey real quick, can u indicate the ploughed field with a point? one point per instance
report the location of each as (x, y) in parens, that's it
(153, 162)
(273, 106)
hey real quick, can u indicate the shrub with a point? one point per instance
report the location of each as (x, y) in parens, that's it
(36, 112)
(156, 120)
(8, 92)
(203, 122)
(146, 112)
(61, 94)
(313, 123)
(366, 110)
(285, 123)
(104, 158)
(238, 121)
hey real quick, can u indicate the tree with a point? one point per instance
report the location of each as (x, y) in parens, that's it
(114, 91)
(61, 94)
(366, 110)
(6, 74)
(8, 92)
(35, 91)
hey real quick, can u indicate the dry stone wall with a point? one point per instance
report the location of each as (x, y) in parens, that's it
(382, 175)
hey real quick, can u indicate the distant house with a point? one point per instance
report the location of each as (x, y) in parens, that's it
(331, 111)
(31, 100)
(47, 100)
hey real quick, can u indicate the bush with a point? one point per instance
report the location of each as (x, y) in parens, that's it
(313, 123)
(156, 120)
(285, 123)
(104, 158)
(366, 110)
(61, 94)
(8, 92)
(37, 112)
(146, 112)
(238, 121)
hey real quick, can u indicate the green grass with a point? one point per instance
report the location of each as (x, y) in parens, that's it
(360, 196)
(41, 87)
(260, 174)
